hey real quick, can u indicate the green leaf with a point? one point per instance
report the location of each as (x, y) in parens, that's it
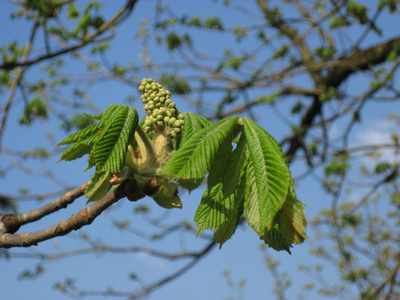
(193, 124)
(79, 149)
(173, 41)
(168, 196)
(193, 159)
(268, 178)
(81, 134)
(36, 108)
(222, 204)
(110, 151)
(99, 186)
(290, 223)
(107, 142)
(72, 11)
(213, 209)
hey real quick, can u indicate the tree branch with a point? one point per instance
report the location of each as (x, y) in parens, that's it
(10, 223)
(75, 222)
(90, 38)
(360, 60)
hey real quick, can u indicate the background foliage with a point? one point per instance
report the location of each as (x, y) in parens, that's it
(320, 76)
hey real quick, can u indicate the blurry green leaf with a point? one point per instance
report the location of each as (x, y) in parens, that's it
(239, 33)
(72, 11)
(269, 98)
(78, 121)
(281, 52)
(100, 48)
(235, 62)
(382, 167)
(325, 53)
(173, 41)
(194, 21)
(213, 23)
(336, 168)
(391, 4)
(358, 11)
(298, 107)
(36, 108)
(174, 84)
(338, 22)
(394, 53)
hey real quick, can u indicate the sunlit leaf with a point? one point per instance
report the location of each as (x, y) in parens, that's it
(193, 159)
(193, 124)
(99, 186)
(268, 178)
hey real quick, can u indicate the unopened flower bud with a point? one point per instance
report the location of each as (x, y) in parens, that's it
(172, 122)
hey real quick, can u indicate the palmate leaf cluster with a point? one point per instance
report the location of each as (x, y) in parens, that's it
(248, 176)
(252, 180)
(106, 143)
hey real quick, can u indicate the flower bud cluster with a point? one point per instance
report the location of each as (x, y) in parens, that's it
(163, 117)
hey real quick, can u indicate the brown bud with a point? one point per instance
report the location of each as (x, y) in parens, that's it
(151, 188)
(116, 179)
(9, 223)
(132, 192)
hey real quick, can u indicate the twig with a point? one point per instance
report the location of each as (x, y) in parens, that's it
(18, 76)
(389, 279)
(90, 38)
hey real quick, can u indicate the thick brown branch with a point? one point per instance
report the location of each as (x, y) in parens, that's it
(53, 206)
(10, 223)
(75, 222)
(360, 60)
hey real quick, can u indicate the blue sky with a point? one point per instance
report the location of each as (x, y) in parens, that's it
(240, 255)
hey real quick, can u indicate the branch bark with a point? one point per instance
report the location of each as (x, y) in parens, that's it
(360, 60)
(345, 66)
(10, 223)
(75, 222)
